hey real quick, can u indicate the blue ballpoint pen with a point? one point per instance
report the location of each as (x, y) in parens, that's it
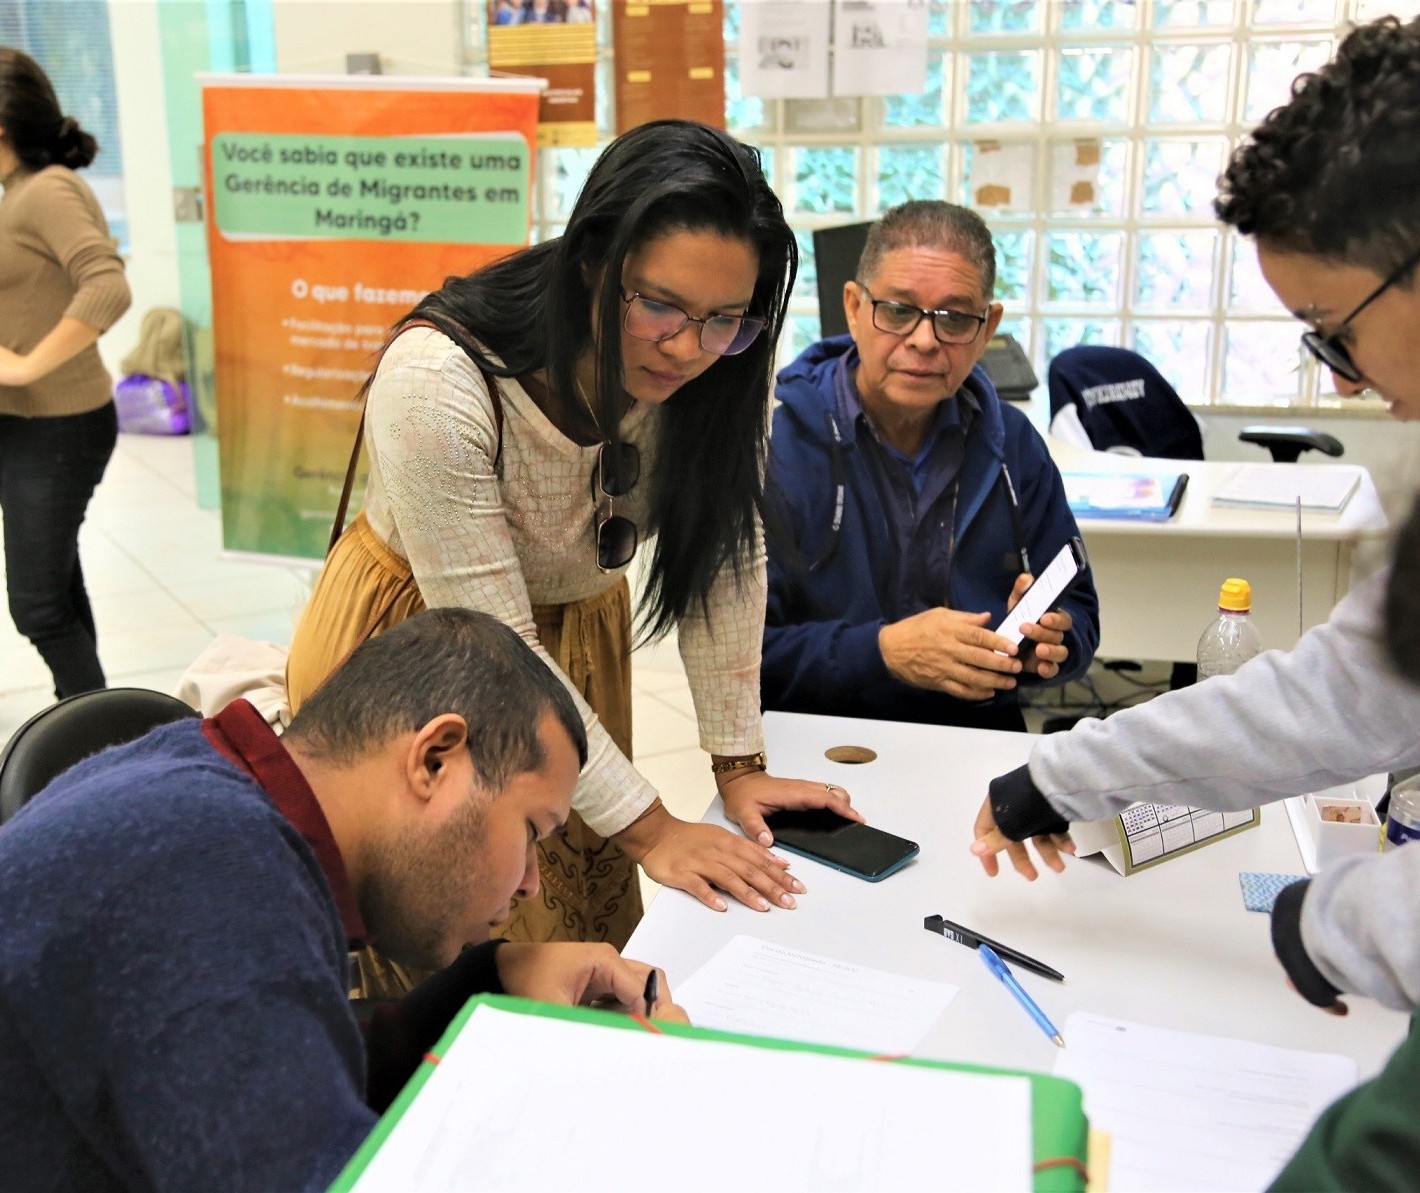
(1008, 979)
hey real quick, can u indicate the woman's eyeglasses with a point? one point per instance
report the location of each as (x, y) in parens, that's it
(1330, 350)
(615, 475)
(724, 335)
(901, 319)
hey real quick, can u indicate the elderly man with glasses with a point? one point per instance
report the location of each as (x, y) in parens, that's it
(913, 506)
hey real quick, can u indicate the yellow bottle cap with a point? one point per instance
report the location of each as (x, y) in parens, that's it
(1235, 595)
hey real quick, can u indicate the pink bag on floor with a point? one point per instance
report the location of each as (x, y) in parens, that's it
(149, 406)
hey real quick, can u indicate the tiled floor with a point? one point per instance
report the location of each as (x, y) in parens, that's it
(161, 591)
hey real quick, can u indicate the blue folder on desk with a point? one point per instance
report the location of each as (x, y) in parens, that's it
(1125, 496)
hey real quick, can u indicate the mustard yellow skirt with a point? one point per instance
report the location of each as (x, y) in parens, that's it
(589, 889)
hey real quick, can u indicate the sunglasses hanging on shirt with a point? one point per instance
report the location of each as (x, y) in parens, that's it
(615, 475)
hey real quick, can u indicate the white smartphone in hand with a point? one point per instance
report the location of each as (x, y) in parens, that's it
(1046, 590)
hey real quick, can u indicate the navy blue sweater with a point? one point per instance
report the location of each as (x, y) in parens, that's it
(827, 600)
(173, 977)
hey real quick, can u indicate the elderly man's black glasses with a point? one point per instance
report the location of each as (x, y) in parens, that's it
(1330, 350)
(901, 319)
(615, 475)
(724, 335)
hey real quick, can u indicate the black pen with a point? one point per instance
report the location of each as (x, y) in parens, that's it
(974, 940)
(653, 991)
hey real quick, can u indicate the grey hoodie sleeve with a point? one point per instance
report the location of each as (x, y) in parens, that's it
(1329, 711)
(1359, 926)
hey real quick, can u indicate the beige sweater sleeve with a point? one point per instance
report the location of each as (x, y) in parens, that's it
(71, 224)
(432, 436)
(722, 653)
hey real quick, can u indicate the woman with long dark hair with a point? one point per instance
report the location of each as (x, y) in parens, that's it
(533, 425)
(61, 287)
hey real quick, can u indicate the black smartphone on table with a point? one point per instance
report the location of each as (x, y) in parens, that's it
(857, 849)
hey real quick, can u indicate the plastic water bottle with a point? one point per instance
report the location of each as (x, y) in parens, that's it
(1232, 639)
(1402, 824)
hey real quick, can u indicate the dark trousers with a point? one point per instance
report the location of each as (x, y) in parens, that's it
(49, 468)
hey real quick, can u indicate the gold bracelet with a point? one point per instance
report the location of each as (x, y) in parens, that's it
(754, 761)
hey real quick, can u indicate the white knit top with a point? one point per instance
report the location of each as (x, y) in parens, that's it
(502, 540)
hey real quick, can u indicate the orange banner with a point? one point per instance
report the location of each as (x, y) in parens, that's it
(333, 206)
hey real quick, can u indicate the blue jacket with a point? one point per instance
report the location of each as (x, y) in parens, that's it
(826, 607)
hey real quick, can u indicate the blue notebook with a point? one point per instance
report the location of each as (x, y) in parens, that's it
(1125, 496)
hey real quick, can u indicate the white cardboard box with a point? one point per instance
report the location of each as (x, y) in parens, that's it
(1323, 841)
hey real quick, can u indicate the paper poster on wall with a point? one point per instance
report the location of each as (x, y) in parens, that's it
(1001, 175)
(335, 205)
(554, 40)
(784, 48)
(1074, 175)
(879, 48)
(670, 61)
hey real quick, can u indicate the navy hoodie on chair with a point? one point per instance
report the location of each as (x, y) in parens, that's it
(827, 594)
(1123, 401)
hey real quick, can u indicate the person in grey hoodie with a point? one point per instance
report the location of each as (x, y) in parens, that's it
(1328, 187)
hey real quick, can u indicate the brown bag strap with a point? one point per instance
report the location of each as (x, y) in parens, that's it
(338, 528)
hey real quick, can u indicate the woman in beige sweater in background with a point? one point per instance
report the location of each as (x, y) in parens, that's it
(61, 286)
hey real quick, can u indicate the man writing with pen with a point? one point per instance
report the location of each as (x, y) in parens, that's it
(174, 975)
(912, 505)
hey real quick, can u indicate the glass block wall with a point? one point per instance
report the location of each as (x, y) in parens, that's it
(1165, 87)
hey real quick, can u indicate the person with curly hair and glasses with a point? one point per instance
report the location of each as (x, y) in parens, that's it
(1328, 188)
(535, 425)
(61, 287)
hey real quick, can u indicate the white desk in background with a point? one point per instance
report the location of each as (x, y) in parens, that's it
(1158, 581)
(1170, 947)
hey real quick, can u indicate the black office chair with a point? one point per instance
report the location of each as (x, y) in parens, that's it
(836, 253)
(57, 737)
(1122, 403)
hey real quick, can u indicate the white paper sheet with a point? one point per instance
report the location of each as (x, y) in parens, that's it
(1186, 1111)
(784, 48)
(1041, 596)
(1322, 488)
(523, 1102)
(1075, 175)
(765, 989)
(1002, 175)
(879, 47)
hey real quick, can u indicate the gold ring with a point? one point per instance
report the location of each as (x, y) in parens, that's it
(832, 787)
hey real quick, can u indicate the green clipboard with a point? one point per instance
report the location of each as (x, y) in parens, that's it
(1059, 1132)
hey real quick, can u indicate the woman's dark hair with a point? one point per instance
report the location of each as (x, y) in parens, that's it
(33, 123)
(534, 310)
(1335, 172)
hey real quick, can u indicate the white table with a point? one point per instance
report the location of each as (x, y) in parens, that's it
(1158, 581)
(1169, 947)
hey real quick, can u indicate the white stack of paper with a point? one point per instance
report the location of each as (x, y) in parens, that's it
(1186, 1111)
(1323, 488)
(766, 989)
(525, 1102)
